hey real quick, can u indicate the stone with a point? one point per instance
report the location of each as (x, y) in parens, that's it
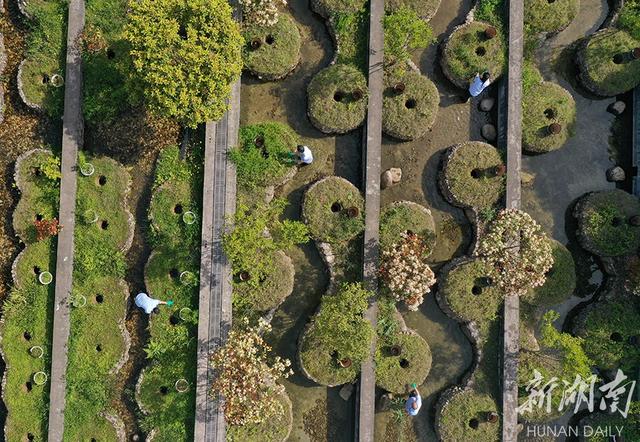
(346, 391)
(390, 177)
(615, 174)
(384, 403)
(617, 108)
(527, 178)
(487, 104)
(489, 132)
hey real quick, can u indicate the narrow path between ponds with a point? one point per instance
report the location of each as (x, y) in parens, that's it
(72, 139)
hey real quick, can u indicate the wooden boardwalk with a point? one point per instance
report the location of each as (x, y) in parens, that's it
(214, 322)
(371, 155)
(72, 139)
(511, 337)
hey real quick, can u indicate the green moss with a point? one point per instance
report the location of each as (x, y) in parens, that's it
(352, 37)
(457, 414)
(561, 279)
(270, 292)
(339, 331)
(332, 105)
(470, 175)
(601, 72)
(325, 210)
(329, 8)
(391, 373)
(279, 51)
(46, 46)
(470, 293)
(410, 114)
(543, 104)
(468, 52)
(399, 217)
(606, 350)
(424, 8)
(93, 354)
(604, 227)
(274, 429)
(267, 164)
(28, 313)
(167, 216)
(545, 16)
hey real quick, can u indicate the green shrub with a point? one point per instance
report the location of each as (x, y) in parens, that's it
(404, 32)
(629, 426)
(267, 164)
(491, 11)
(352, 37)
(338, 331)
(185, 68)
(399, 217)
(325, 206)
(629, 19)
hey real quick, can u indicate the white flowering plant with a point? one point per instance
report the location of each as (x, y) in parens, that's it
(405, 272)
(261, 12)
(247, 375)
(517, 251)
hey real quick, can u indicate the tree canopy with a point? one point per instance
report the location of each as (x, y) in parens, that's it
(186, 54)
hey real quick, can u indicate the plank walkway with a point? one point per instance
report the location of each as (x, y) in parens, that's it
(214, 322)
(511, 345)
(635, 143)
(371, 155)
(72, 139)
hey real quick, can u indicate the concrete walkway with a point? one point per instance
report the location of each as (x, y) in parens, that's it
(511, 345)
(214, 321)
(72, 139)
(371, 156)
(635, 144)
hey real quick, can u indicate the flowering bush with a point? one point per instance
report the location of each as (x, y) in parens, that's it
(46, 228)
(404, 270)
(261, 12)
(247, 376)
(517, 250)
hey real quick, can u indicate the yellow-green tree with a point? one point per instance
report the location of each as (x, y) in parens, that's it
(186, 54)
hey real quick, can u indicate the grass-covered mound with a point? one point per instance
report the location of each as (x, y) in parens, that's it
(264, 156)
(546, 105)
(274, 429)
(549, 16)
(27, 323)
(272, 52)
(468, 51)
(402, 357)
(94, 353)
(333, 210)
(172, 273)
(330, 8)
(426, 9)
(560, 280)
(470, 293)
(606, 330)
(409, 114)
(629, 426)
(606, 224)
(45, 55)
(606, 67)
(404, 216)
(464, 418)
(270, 291)
(473, 175)
(338, 339)
(38, 180)
(171, 210)
(337, 99)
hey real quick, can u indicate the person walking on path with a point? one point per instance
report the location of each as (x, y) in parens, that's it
(150, 305)
(414, 401)
(479, 84)
(304, 155)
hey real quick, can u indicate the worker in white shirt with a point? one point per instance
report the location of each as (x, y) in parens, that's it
(304, 155)
(479, 84)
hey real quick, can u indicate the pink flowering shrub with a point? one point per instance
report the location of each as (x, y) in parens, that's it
(261, 12)
(517, 250)
(247, 377)
(405, 272)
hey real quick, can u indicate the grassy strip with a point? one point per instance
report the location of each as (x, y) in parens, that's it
(545, 16)
(352, 35)
(46, 54)
(99, 268)
(172, 347)
(28, 312)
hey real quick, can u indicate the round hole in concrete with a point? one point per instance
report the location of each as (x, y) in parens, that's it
(98, 348)
(411, 103)
(26, 335)
(616, 221)
(99, 299)
(174, 273)
(618, 59)
(45, 79)
(104, 225)
(269, 39)
(476, 290)
(178, 209)
(336, 207)
(102, 180)
(616, 337)
(474, 423)
(38, 217)
(111, 54)
(404, 363)
(481, 51)
(338, 96)
(164, 390)
(550, 113)
(36, 270)
(476, 173)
